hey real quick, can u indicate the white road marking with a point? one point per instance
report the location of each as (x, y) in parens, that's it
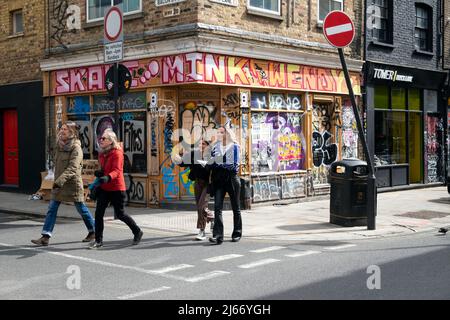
(98, 262)
(206, 276)
(339, 29)
(142, 293)
(344, 246)
(301, 254)
(258, 263)
(172, 268)
(268, 249)
(222, 258)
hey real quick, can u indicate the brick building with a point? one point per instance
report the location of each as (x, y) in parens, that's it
(263, 67)
(22, 134)
(406, 95)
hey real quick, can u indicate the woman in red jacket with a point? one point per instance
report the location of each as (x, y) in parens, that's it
(112, 188)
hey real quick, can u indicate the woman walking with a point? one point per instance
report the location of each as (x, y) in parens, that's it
(112, 188)
(68, 185)
(199, 173)
(225, 154)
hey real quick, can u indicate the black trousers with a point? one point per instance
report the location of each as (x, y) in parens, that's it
(232, 186)
(117, 200)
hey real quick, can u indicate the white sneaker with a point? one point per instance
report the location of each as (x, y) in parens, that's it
(201, 235)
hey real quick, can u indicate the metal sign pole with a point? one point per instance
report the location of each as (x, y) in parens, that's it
(371, 187)
(116, 98)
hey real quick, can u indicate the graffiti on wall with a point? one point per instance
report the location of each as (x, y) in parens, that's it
(324, 150)
(136, 189)
(64, 18)
(349, 133)
(434, 149)
(154, 193)
(168, 169)
(277, 142)
(208, 68)
(266, 189)
(293, 186)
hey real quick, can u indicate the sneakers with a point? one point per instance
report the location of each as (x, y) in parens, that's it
(42, 241)
(89, 238)
(137, 238)
(201, 235)
(443, 230)
(96, 245)
(235, 239)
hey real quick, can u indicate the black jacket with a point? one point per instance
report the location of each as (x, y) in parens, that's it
(197, 170)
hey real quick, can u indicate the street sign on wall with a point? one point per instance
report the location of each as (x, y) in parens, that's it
(113, 35)
(338, 29)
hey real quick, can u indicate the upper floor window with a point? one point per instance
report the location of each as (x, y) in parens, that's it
(380, 20)
(16, 22)
(96, 8)
(271, 6)
(423, 32)
(326, 6)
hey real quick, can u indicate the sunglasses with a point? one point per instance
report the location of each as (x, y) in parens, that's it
(103, 138)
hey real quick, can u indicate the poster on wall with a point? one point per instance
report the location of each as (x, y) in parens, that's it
(100, 124)
(278, 143)
(133, 136)
(434, 149)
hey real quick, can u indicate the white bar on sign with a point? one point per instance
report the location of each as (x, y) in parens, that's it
(339, 29)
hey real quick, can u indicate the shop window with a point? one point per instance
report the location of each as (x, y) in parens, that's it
(398, 98)
(278, 142)
(380, 20)
(430, 100)
(390, 137)
(270, 6)
(423, 31)
(381, 97)
(16, 22)
(96, 9)
(326, 6)
(414, 99)
(95, 118)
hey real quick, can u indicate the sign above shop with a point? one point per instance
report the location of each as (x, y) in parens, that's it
(338, 29)
(206, 68)
(402, 76)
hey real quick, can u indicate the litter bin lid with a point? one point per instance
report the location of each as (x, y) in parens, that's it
(345, 166)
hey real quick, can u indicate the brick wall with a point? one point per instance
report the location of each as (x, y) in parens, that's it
(446, 34)
(298, 21)
(403, 53)
(20, 54)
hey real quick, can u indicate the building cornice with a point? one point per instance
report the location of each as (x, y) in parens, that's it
(262, 49)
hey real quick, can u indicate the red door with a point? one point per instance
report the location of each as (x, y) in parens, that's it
(10, 147)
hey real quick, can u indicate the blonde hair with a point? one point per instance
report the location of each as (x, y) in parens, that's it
(112, 137)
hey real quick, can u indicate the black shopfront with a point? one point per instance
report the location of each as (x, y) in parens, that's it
(406, 115)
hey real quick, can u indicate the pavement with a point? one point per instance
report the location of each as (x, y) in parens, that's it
(399, 213)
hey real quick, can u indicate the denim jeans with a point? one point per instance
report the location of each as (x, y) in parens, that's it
(232, 187)
(50, 219)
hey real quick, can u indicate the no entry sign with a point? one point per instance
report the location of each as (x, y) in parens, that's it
(338, 29)
(113, 25)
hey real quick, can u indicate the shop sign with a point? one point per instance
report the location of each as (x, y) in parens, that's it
(391, 75)
(208, 68)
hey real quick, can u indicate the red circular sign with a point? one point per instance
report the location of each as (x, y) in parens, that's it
(113, 24)
(338, 29)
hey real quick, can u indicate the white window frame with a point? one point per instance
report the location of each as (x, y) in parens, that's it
(14, 22)
(318, 8)
(112, 3)
(250, 7)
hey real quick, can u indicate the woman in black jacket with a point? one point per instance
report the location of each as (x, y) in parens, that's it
(225, 167)
(199, 173)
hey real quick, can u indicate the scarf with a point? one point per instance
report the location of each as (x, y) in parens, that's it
(105, 150)
(66, 145)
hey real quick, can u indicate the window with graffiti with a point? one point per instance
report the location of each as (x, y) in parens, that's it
(324, 140)
(95, 118)
(278, 143)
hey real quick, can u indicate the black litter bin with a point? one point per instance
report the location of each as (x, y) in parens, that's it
(246, 194)
(348, 199)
